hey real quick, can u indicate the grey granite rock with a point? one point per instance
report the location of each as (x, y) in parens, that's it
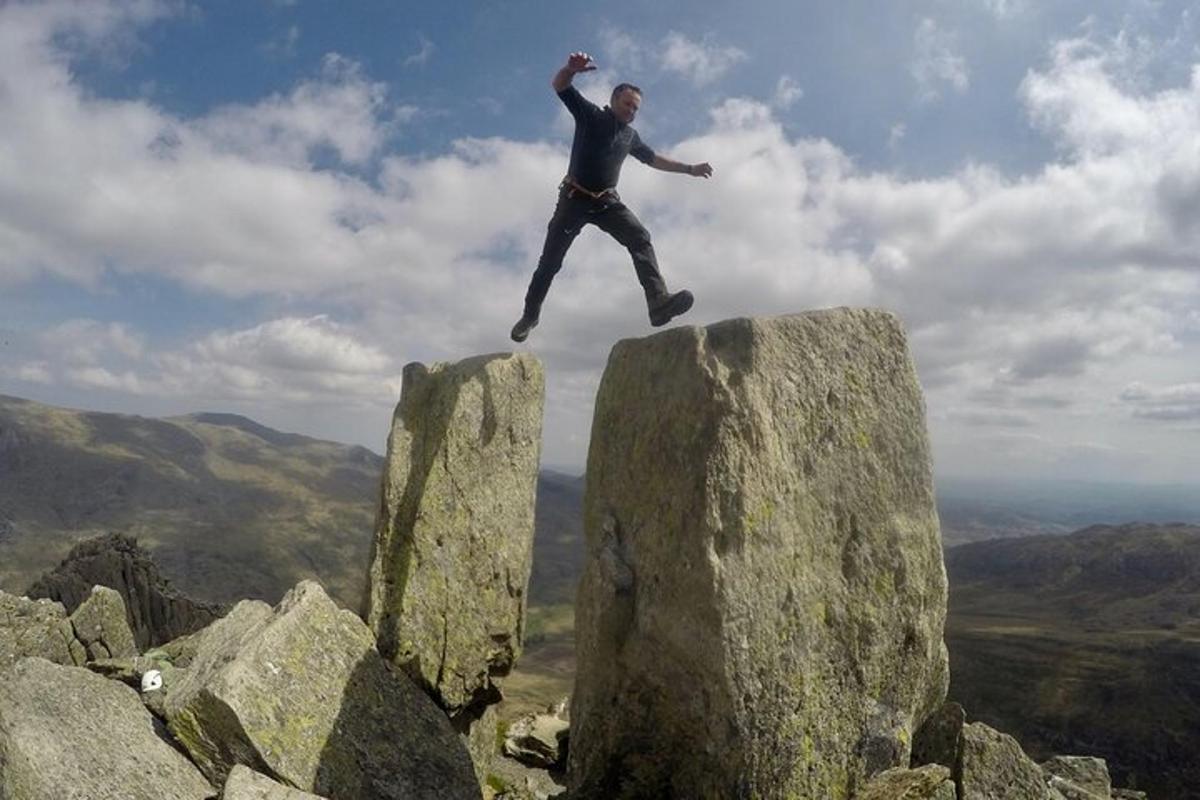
(453, 544)
(36, 628)
(246, 784)
(101, 626)
(994, 767)
(930, 782)
(67, 734)
(300, 693)
(762, 608)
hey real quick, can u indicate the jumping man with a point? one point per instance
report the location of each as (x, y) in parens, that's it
(603, 137)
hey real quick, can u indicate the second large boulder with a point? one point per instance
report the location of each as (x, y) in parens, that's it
(454, 539)
(762, 608)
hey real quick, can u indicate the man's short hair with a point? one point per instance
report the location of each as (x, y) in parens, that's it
(620, 87)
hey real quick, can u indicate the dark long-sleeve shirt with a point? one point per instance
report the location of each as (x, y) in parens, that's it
(601, 143)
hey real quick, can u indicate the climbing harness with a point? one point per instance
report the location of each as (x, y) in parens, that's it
(573, 187)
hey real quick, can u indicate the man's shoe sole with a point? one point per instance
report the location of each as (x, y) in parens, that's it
(679, 304)
(520, 337)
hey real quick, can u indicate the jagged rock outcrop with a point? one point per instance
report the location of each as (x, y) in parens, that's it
(246, 784)
(67, 733)
(157, 613)
(762, 608)
(453, 544)
(300, 694)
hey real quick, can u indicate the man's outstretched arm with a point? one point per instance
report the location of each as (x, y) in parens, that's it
(576, 62)
(703, 170)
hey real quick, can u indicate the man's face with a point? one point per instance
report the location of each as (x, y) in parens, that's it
(625, 105)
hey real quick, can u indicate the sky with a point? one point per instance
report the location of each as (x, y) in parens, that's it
(269, 208)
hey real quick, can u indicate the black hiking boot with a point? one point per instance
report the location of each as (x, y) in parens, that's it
(525, 324)
(670, 306)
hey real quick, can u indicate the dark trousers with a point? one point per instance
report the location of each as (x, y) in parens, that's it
(574, 210)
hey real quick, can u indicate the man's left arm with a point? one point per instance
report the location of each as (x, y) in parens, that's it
(702, 170)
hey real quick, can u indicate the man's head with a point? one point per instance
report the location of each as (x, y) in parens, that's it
(625, 102)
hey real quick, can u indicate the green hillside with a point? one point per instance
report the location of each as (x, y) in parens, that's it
(228, 508)
(1086, 643)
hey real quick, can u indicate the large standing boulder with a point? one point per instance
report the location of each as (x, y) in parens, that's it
(35, 628)
(67, 734)
(762, 607)
(453, 544)
(300, 693)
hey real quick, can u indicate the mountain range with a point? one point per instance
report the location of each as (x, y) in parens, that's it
(228, 508)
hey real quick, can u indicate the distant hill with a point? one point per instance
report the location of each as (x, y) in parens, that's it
(558, 547)
(975, 510)
(228, 508)
(1086, 643)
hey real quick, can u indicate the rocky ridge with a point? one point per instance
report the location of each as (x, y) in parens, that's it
(157, 613)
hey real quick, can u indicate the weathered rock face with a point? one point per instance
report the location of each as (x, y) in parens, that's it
(34, 628)
(939, 739)
(68, 734)
(762, 609)
(537, 740)
(41, 629)
(155, 611)
(453, 544)
(102, 627)
(246, 784)
(300, 693)
(1087, 773)
(930, 782)
(995, 766)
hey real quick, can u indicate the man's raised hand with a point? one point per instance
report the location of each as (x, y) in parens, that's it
(580, 62)
(701, 170)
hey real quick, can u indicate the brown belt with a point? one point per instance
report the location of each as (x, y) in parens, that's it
(574, 186)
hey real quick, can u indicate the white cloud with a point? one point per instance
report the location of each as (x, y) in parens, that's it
(37, 372)
(298, 360)
(620, 50)
(86, 341)
(1179, 402)
(700, 62)
(425, 51)
(787, 92)
(283, 45)
(936, 63)
(1005, 9)
(313, 345)
(340, 110)
(101, 378)
(896, 135)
